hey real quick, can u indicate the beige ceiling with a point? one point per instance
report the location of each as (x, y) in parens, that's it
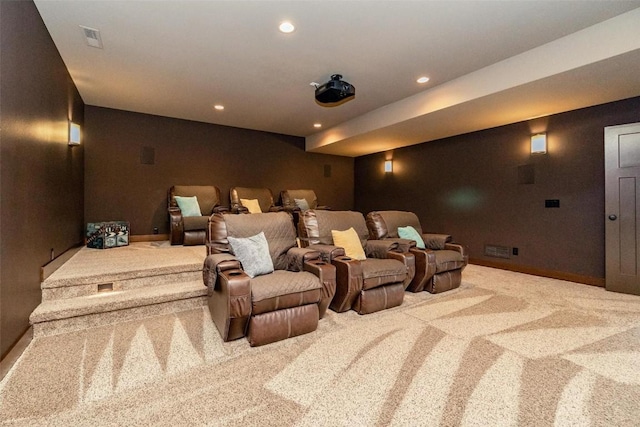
(490, 63)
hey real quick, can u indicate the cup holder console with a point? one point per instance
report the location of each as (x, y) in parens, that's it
(235, 273)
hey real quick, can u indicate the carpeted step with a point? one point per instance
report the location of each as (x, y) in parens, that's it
(138, 265)
(120, 281)
(63, 315)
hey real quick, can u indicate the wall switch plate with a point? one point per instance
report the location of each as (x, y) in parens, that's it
(552, 203)
(514, 251)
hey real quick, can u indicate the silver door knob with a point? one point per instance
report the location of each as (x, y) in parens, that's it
(613, 217)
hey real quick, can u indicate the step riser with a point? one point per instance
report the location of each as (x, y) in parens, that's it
(80, 290)
(94, 320)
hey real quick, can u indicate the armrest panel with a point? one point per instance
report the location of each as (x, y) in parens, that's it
(327, 275)
(349, 283)
(176, 226)
(409, 260)
(296, 257)
(425, 269)
(464, 251)
(230, 303)
(328, 252)
(435, 241)
(380, 248)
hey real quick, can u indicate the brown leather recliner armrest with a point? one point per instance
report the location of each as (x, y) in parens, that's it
(221, 209)
(230, 305)
(425, 260)
(215, 264)
(240, 210)
(403, 244)
(296, 257)
(276, 209)
(328, 252)
(349, 282)
(435, 241)
(229, 295)
(409, 260)
(176, 225)
(379, 248)
(464, 251)
(327, 275)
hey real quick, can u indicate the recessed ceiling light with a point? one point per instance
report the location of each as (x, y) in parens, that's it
(423, 79)
(219, 107)
(317, 125)
(286, 27)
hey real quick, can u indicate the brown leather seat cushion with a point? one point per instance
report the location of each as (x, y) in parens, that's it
(378, 272)
(195, 222)
(284, 289)
(447, 260)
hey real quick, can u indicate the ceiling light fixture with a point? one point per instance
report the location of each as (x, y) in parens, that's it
(423, 79)
(219, 107)
(317, 125)
(286, 27)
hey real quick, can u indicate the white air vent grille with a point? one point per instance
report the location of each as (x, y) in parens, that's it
(92, 36)
(497, 251)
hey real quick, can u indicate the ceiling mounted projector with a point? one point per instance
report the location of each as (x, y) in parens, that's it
(335, 91)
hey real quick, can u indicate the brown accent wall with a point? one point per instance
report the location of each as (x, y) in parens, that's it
(121, 185)
(41, 177)
(468, 186)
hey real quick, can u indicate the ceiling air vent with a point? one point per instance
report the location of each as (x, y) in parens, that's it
(497, 251)
(92, 36)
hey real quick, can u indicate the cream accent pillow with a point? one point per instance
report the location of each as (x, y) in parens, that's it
(252, 205)
(350, 242)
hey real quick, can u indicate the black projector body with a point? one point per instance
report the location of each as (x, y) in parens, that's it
(335, 91)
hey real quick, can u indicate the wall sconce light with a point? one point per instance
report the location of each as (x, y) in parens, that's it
(74, 134)
(539, 143)
(388, 166)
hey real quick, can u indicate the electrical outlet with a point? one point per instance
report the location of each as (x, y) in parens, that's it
(155, 230)
(514, 251)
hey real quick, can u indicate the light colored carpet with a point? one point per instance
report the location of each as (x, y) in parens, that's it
(505, 349)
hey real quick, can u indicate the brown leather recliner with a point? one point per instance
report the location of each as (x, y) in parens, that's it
(439, 266)
(269, 307)
(192, 230)
(262, 195)
(288, 200)
(365, 286)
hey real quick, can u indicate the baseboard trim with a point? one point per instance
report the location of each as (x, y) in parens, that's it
(148, 237)
(15, 352)
(560, 275)
(48, 269)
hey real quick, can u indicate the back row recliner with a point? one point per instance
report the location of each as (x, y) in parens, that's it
(190, 206)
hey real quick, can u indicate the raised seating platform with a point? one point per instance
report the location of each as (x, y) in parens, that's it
(99, 287)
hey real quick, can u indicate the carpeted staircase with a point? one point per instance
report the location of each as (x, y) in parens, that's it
(102, 287)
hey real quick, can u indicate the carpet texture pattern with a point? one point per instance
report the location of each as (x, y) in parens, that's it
(504, 349)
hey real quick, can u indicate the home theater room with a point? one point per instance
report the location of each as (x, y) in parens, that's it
(319, 213)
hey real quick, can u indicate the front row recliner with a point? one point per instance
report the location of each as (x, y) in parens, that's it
(439, 264)
(261, 285)
(376, 281)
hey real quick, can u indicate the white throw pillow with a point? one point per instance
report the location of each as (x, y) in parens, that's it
(253, 253)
